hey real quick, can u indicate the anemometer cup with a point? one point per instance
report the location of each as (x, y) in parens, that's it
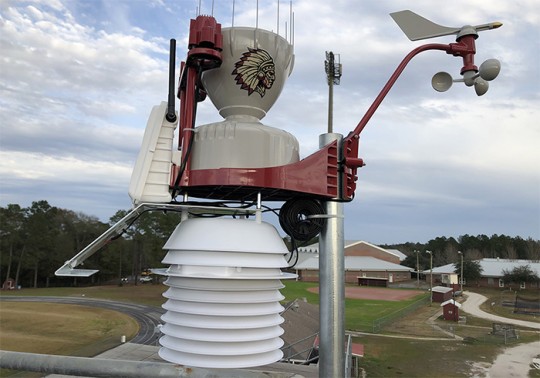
(441, 81)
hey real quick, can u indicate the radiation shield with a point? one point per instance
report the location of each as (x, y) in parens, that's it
(223, 301)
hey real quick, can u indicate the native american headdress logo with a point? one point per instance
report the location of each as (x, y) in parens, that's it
(255, 71)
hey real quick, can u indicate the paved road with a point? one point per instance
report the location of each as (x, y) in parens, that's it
(514, 361)
(472, 306)
(148, 317)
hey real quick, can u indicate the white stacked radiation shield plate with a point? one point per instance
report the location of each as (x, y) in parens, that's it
(223, 307)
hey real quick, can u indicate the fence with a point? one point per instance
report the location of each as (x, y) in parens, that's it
(417, 325)
(377, 325)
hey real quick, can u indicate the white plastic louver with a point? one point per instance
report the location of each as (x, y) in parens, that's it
(223, 298)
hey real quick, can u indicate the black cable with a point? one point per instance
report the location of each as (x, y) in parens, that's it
(190, 145)
(296, 218)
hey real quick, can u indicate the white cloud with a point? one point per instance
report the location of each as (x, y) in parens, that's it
(78, 82)
(33, 166)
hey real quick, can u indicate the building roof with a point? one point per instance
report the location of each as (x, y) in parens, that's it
(364, 263)
(492, 267)
(451, 301)
(314, 248)
(441, 289)
(398, 253)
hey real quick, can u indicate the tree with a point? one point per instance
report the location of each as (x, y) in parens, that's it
(472, 270)
(11, 238)
(43, 228)
(520, 274)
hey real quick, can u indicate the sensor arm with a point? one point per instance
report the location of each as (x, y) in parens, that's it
(465, 47)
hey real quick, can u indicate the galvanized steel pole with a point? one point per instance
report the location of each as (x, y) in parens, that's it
(100, 367)
(332, 285)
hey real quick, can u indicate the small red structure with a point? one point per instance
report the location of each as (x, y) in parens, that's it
(451, 310)
(441, 294)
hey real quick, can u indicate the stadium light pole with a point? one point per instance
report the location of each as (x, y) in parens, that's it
(461, 275)
(333, 74)
(332, 261)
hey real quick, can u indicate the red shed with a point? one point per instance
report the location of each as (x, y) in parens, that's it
(451, 310)
(441, 294)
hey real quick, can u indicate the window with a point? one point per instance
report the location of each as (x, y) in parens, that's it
(501, 282)
(522, 285)
(462, 281)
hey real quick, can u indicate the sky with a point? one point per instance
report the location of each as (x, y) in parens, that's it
(78, 80)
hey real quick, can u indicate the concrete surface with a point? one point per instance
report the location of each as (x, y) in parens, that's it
(472, 306)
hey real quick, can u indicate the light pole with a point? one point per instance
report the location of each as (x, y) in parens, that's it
(417, 269)
(333, 74)
(461, 275)
(430, 276)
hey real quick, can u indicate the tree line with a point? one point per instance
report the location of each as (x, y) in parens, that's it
(36, 240)
(445, 250)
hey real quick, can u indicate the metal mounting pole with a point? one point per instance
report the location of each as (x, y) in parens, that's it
(332, 285)
(100, 367)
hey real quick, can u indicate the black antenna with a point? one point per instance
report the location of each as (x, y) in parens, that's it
(171, 113)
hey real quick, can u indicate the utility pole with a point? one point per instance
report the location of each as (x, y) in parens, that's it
(417, 269)
(430, 277)
(333, 75)
(461, 275)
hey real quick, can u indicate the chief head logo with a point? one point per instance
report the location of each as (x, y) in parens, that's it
(255, 71)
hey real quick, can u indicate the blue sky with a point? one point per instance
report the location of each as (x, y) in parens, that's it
(78, 80)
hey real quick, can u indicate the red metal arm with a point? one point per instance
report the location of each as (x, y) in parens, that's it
(465, 47)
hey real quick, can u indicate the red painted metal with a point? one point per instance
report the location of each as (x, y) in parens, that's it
(316, 175)
(205, 46)
(320, 175)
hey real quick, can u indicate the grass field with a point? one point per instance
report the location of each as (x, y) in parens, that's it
(384, 356)
(146, 294)
(394, 357)
(53, 328)
(359, 313)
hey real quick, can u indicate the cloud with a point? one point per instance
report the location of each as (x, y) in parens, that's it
(78, 81)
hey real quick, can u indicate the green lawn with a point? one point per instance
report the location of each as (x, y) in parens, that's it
(394, 357)
(384, 356)
(359, 313)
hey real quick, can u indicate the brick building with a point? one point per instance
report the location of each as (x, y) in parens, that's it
(365, 264)
(492, 272)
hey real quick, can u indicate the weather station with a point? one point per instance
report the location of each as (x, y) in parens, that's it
(224, 262)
